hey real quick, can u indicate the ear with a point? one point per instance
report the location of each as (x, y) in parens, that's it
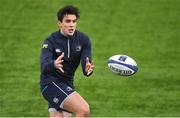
(59, 24)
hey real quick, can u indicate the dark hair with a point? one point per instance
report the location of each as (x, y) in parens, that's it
(69, 9)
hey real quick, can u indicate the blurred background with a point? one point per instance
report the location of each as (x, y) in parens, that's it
(146, 30)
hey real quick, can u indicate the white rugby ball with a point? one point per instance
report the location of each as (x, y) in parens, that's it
(122, 65)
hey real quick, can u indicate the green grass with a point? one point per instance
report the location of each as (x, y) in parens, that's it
(146, 30)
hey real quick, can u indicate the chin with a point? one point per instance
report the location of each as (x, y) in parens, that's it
(70, 34)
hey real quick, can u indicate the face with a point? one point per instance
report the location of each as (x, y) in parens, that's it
(68, 24)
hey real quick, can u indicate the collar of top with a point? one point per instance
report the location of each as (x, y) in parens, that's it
(63, 34)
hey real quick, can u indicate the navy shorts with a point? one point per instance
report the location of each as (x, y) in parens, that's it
(56, 94)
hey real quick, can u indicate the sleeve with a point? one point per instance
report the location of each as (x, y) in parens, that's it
(46, 58)
(86, 52)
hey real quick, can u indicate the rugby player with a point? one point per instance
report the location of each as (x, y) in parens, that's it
(61, 54)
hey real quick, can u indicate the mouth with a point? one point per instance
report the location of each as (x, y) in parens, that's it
(71, 30)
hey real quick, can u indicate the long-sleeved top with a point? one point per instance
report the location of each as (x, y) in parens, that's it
(75, 48)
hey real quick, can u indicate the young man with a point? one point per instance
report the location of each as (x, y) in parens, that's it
(61, 54)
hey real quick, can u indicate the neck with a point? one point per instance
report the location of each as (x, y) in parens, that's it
(63, 33)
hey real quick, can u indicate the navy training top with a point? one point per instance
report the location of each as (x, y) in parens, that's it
(75, 48)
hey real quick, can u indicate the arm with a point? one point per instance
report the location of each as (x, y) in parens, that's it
(48, 64)
(86, 60)
(46, 58)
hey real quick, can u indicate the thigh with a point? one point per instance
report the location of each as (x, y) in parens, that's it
(75, 103)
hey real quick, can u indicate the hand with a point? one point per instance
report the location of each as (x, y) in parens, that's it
(58, 62)
(89, 66)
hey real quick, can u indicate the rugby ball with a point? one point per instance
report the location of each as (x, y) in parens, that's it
(122, 65)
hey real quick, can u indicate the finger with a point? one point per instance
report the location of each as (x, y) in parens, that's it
(88, 66)
(61, 70)
(92, 66)
(59, 65)
(89, 71)
(92, 62)
(61, 56)
(87, 59)
(59, 61)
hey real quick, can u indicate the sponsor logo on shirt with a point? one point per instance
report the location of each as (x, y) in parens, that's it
(45, 45)
(58, 50)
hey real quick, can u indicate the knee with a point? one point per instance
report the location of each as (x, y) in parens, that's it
(85, 110)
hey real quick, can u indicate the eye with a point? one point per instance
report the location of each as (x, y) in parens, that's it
(74, 21)
(67, 21)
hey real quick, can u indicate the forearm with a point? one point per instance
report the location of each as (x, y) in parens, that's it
(47, 67)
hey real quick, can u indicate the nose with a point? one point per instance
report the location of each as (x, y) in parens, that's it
(72, 24)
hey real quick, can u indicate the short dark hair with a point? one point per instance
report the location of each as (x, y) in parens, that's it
(69, 9)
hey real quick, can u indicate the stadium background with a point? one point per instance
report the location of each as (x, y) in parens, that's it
(147, 30)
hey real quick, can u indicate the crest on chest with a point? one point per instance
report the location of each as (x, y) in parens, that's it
(78, 48)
